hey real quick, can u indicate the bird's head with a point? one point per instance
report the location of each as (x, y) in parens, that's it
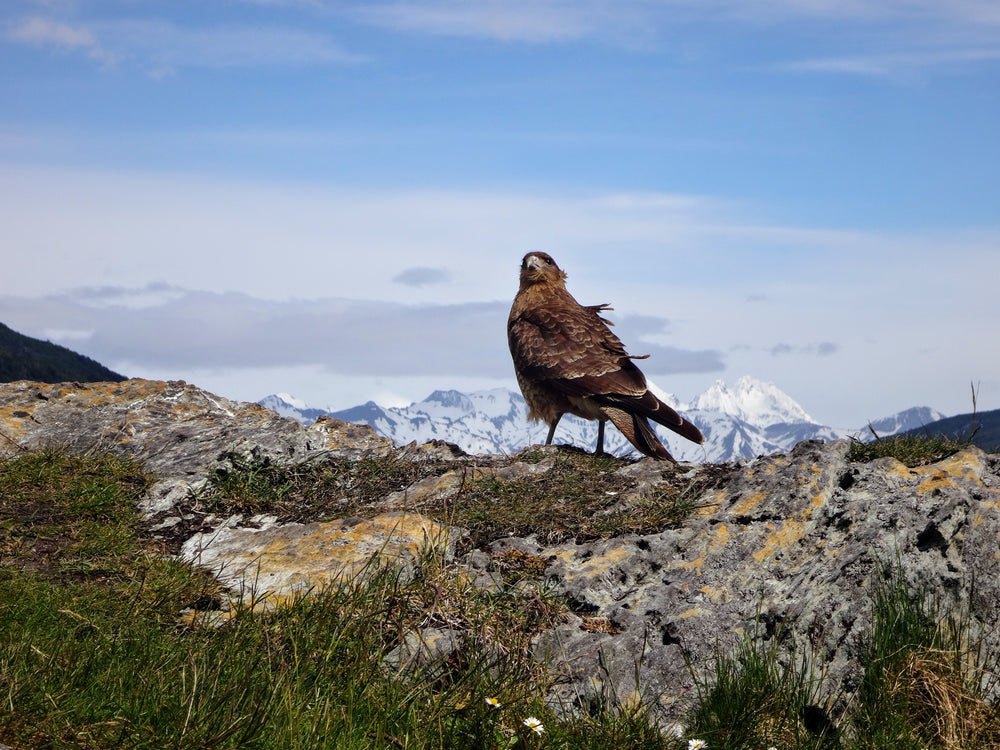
(539, 268)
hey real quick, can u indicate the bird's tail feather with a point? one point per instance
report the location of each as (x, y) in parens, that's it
(684, 428)
(638, 432)
(650, 407)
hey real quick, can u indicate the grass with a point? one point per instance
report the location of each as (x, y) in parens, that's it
(927, 675)
(578, 496)
(322, 490)
(93, 653)
(760, 698)
(926, 685)
(911, 450)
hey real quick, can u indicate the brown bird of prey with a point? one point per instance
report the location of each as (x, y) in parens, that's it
(568, 361)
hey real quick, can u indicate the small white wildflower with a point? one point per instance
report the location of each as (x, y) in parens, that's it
(697, 744)
(534, 725)
(493, 703)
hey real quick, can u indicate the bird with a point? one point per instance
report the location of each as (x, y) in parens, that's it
(568, 361)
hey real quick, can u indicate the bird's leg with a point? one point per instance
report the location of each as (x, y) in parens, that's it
(552, 429)
(600, 438)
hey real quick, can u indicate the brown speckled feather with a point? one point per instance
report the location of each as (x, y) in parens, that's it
(568, 361)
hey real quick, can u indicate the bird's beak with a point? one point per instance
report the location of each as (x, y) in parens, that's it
(532, 263)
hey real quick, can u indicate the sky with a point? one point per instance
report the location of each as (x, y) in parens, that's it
(331, 198)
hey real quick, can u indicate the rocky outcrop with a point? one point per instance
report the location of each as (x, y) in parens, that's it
(786, 548)
(179, 432)
(272, 563)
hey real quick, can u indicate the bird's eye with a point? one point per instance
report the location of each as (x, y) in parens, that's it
(550, 261)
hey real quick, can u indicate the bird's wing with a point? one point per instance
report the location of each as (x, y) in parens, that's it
(573, 350)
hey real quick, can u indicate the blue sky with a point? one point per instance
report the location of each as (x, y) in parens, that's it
(331, 198)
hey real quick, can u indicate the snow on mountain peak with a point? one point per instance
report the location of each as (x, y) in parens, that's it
(753, 401)
(292, 401)
(749, 418)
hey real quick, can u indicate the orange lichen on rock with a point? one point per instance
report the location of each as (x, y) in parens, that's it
(279, 562)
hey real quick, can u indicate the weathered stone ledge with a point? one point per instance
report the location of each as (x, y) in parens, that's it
(786, 548)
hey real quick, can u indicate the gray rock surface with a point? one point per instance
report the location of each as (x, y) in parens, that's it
(786, 549)
(179, 432)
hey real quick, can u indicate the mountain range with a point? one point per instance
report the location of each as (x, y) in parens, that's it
(748, 419)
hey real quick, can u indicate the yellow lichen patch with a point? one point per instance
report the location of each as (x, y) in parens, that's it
(283, 562)
(709, 504)
(790, 532)
(897, 469)
(697, 564)
(777, 464)
(963, 465)
(748, 503)
(721, 536)
(715, 595)
(693, 612)
(939, 480)
(991, 498)
(596, 565)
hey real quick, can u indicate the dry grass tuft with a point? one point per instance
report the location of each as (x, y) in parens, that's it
(944, 712)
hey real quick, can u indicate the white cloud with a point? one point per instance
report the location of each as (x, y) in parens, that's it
(346, 337)
(162, 43)
(863, 37)
(44, 31)
(422, 276)
(161, 47)
(891, 64)
(555, 20)
(255, 278)
(505, 21)
(47, 32)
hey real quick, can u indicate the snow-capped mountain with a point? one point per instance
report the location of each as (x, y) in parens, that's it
(750, 419)
(493, 421)
(753, 401)
(288, 406)
(911, 419)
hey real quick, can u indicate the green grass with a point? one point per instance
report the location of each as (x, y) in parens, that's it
(580, 496)
(330, 489)
(93, 653)
(912, 450)
(760, 698)
(926, 682)
(927, 675)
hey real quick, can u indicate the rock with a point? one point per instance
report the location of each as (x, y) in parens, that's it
(787, 552)
(349, 440)
(423, 650)
(426, 490)
(275, 563)
(178, 432)
(434, 450)
(783, 547)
